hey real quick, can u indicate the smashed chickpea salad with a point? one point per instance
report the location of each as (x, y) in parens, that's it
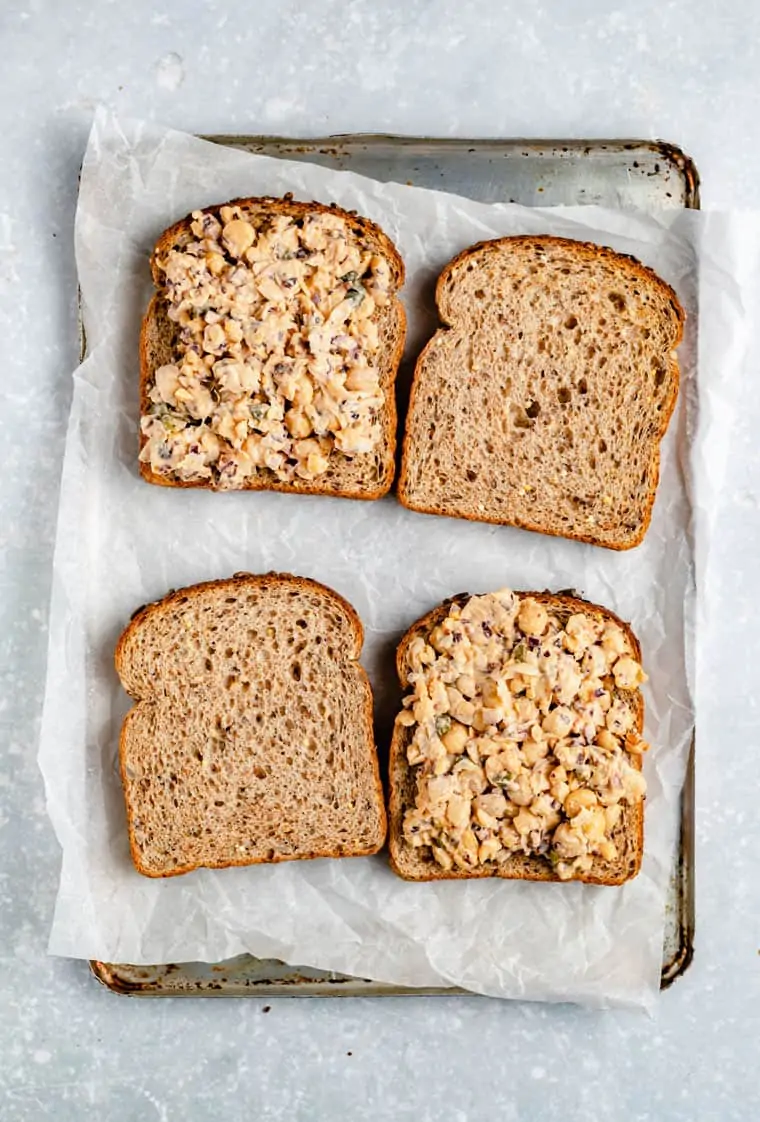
(522, 735)
(275, 365)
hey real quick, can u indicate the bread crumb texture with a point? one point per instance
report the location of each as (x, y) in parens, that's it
(251, 738)
(544, 401)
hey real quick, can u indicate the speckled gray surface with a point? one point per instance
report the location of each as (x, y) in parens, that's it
(69, 1050)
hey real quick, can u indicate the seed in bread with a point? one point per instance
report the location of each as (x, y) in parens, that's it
(543, 402)
(270, 352)
(517, 752)
(251, 736)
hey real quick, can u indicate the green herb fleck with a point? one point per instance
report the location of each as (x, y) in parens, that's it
(442, 725)
(518, 654)
(356, 294)
(171, 422)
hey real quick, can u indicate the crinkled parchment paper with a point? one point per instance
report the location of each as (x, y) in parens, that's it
(122, 542)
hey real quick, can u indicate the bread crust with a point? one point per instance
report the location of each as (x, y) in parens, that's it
(402, 774)
(237, 582)
(265, 480)
(588, 251)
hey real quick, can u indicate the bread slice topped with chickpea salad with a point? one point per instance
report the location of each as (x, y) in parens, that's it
(518, 749)
(269, 353)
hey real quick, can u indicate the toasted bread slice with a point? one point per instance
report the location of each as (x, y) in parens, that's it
(217, 456)
(543, 401)
(418, 863)
(251, 739)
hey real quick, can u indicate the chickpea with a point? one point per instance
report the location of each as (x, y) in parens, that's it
(525, 710)
(607, 741)
(612, 816)
(442, 857)
(304, 392)
(167, 382)
(614, 642)
(532, 618)
(491, 694)
(439, 640)
(470, 778)
(469, 846)
(297, 424)
(420, 654)
(483, 818)
(464, 711)
(436, 749)
(543, 807)
(213, 337)
(520, 792)
(567, 842)
(472, 750)
(455, 739)
(458, 811)
(628, 674)
(494, 804)
(487, 719)
(634, 784)
(501, 768)
(576, 801)
(489, 747)
(215, 263)
(634, 744)
(533, 751)
(238, 236)
(558, 775)
(488, 850)
(569, 683)
(558, 722)
(595, 662)
(559, 791)
(581, 633)
(362, 378)
(210, 444)
(608, 850)
(525, 822)
(593, 823)
(466, 685)
(509, 837)
(317, 464)
(619, 718)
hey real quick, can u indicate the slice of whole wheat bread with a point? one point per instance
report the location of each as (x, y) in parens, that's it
(365, 476)
(251, 739)
(418, 863)
(543, 401)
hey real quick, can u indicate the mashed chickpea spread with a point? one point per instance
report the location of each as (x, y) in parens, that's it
(277, 338)
(522, 735)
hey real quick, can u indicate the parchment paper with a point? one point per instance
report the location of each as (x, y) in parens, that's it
(121, 543)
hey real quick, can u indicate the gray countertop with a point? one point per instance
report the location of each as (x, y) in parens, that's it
(685, 72)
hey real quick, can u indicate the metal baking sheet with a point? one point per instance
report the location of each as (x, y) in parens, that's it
(646, 175)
